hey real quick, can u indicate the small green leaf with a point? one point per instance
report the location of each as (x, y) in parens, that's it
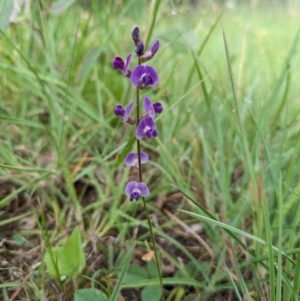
(19, 239)
(74, 252)
(152, 269)
(69, 260)
(135, 273)
(151, 293)
(89, 294)
(54, 259)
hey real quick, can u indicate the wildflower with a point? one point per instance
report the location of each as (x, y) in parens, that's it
(144, 77)
(149, 54)
(136, 190)
(146, 129)
(151, 109)
(122, 66)
(132, 159)
(125, 113)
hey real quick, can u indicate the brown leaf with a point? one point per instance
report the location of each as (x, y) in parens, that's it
(148, 256)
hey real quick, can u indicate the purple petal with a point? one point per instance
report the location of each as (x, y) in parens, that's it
(135, 196)
(144, 157)
(154, 47)
(143, 189)
(153, 75)
(127, 112)
(144, 76)
(130, 187)
(157, 107)
(146, 128)
(118, 64)
(132, 159)
(151, 133)
(127, 72)
(122, 66)
(136, 75)
(149, 54)
(148, 107)
(132, 190)
(119, 111)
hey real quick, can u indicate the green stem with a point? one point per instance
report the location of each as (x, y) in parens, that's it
(141, 180)
(138, 144)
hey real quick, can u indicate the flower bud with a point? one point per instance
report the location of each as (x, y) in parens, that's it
(149, 54)
(136, 36)
(140, 48)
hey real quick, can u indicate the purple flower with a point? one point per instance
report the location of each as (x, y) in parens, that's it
(122, 66)
(151, 109)
(144, 77)
(132, 159)
(149, 54)
(136, 190)
(125, 113)
(136, 36)
(146, 129)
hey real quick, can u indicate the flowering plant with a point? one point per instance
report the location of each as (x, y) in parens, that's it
(142, 77)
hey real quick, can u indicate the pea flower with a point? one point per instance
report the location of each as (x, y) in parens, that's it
(122, 66)
(144, 77)
(151, 109)
(136, 190)
(132, 159)
(146, 129)
(125, 113)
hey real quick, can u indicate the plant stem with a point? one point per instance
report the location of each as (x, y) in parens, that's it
(138, 144)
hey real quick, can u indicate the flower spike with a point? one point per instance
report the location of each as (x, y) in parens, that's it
(141, 77)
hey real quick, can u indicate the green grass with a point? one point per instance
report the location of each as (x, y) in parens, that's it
(226, 156)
